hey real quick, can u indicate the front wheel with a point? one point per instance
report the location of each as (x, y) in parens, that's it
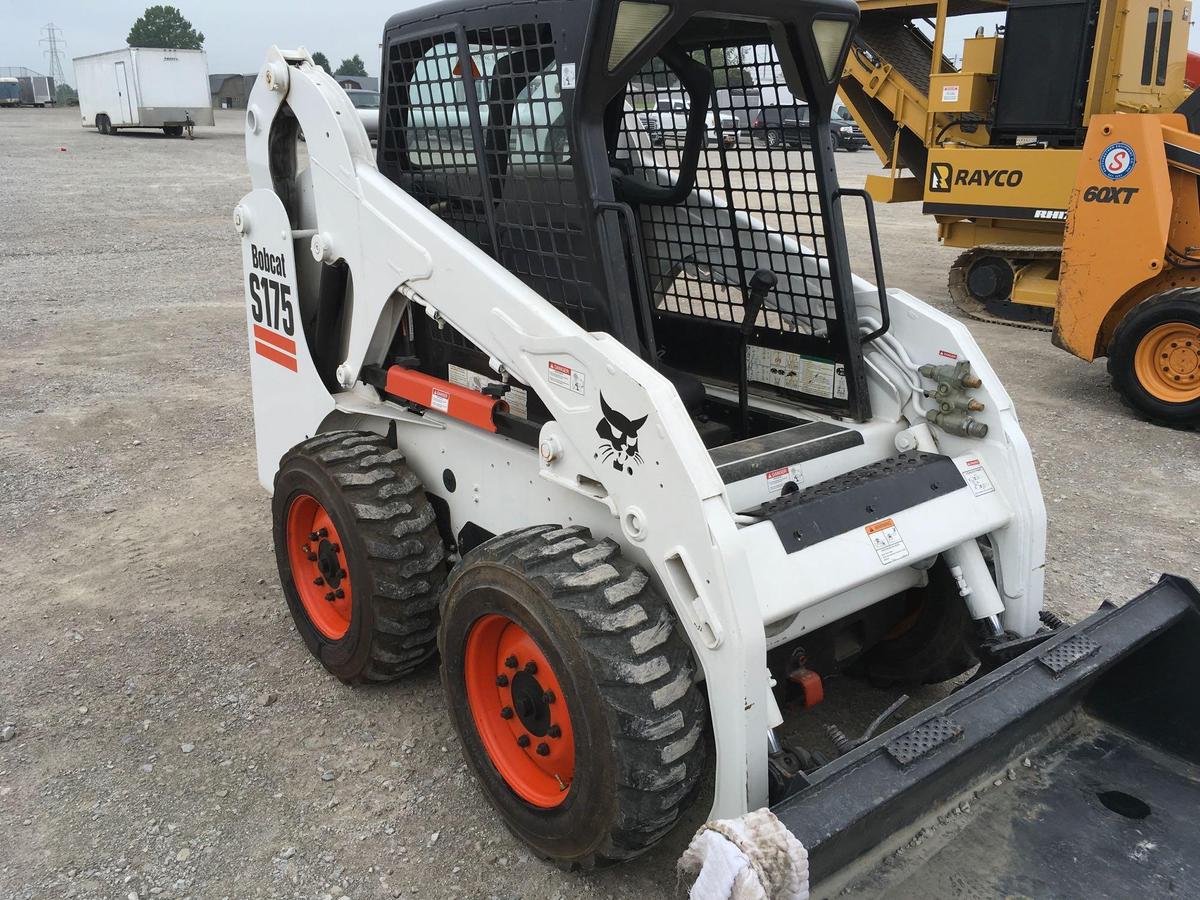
(1154, 358)
(572, 693)
(774, 138)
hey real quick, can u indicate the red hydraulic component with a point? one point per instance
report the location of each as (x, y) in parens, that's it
(811, 687)
(454, 400)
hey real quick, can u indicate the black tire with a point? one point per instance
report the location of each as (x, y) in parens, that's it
(627, 677)
(173, 130)
(1181, 305)
(393, 553)
(774, 138)
(934, 642)
(102, 123)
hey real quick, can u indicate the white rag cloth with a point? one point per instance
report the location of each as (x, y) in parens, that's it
(753, 857)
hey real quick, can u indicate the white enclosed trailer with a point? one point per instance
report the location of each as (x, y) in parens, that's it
(141, 87)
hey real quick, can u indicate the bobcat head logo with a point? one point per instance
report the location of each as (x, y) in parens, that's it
(619, 443)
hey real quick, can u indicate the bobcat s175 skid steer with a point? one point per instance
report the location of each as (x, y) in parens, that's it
(613, 429)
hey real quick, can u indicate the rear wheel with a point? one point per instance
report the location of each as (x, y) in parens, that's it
(774, 137)
(1154, 358)
(572, 694)
(102, 123)
(173, 130)
(359, 555)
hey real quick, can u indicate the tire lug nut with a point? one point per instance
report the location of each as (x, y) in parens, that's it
(511, 662)
(313, 536)
(331, 596)
(502, 680)
(543, 749)
(531, 667)
(523, 741)
(306, 548)
(324, 532)
(318, 581)
(549, 696)
(555, 731)
(506, 712)
(340, 593)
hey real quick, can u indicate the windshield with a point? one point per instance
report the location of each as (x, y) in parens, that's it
(364, 99)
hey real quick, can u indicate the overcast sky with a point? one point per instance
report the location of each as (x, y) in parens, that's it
(238, 32)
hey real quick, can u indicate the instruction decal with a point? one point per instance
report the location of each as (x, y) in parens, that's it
(619, 440)
(976, 477)
(440, 400)
(271, 308)
(565, 377)
(803, 374)
(885, 538)
(778, 479)
(566, 77)
(1117, 160)
(950, 93)
(516, 398)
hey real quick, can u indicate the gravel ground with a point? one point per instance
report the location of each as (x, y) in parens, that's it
(167, 733)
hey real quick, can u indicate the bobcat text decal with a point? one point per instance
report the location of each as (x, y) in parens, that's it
(271, 308)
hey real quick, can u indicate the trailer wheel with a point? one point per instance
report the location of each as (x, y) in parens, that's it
(572, 693)
(1154, 358)
(102, 123)
(359, 555)
(173, 130)
(933, 642)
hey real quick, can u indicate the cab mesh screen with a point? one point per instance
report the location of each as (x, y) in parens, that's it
(756, 203)
(477, 133)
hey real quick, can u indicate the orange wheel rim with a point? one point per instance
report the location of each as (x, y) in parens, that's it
(520, 712)
(318, 562)
(1167, 362)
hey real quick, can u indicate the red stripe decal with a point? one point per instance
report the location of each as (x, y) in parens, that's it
(286, 344)
(266, 350)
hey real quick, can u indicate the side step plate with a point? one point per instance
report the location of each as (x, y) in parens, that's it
(859, 497)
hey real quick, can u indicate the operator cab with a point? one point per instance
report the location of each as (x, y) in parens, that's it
(719, 259)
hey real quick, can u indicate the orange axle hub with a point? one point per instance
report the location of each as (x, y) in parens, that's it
(318, 562)
(520, 712)
(1167, 362)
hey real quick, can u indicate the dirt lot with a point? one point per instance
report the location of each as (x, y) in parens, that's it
(173, 737)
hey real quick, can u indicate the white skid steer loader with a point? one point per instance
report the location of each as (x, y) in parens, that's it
(612, 427)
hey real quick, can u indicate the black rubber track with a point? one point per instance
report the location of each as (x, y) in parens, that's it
(395, 555)
(628, 676)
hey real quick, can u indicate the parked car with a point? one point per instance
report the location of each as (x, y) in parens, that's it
(787, 126)
(781, 126)
(367, 104)
(667, 123)
(846, 134)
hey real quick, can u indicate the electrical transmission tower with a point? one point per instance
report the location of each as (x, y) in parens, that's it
(55, 46)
